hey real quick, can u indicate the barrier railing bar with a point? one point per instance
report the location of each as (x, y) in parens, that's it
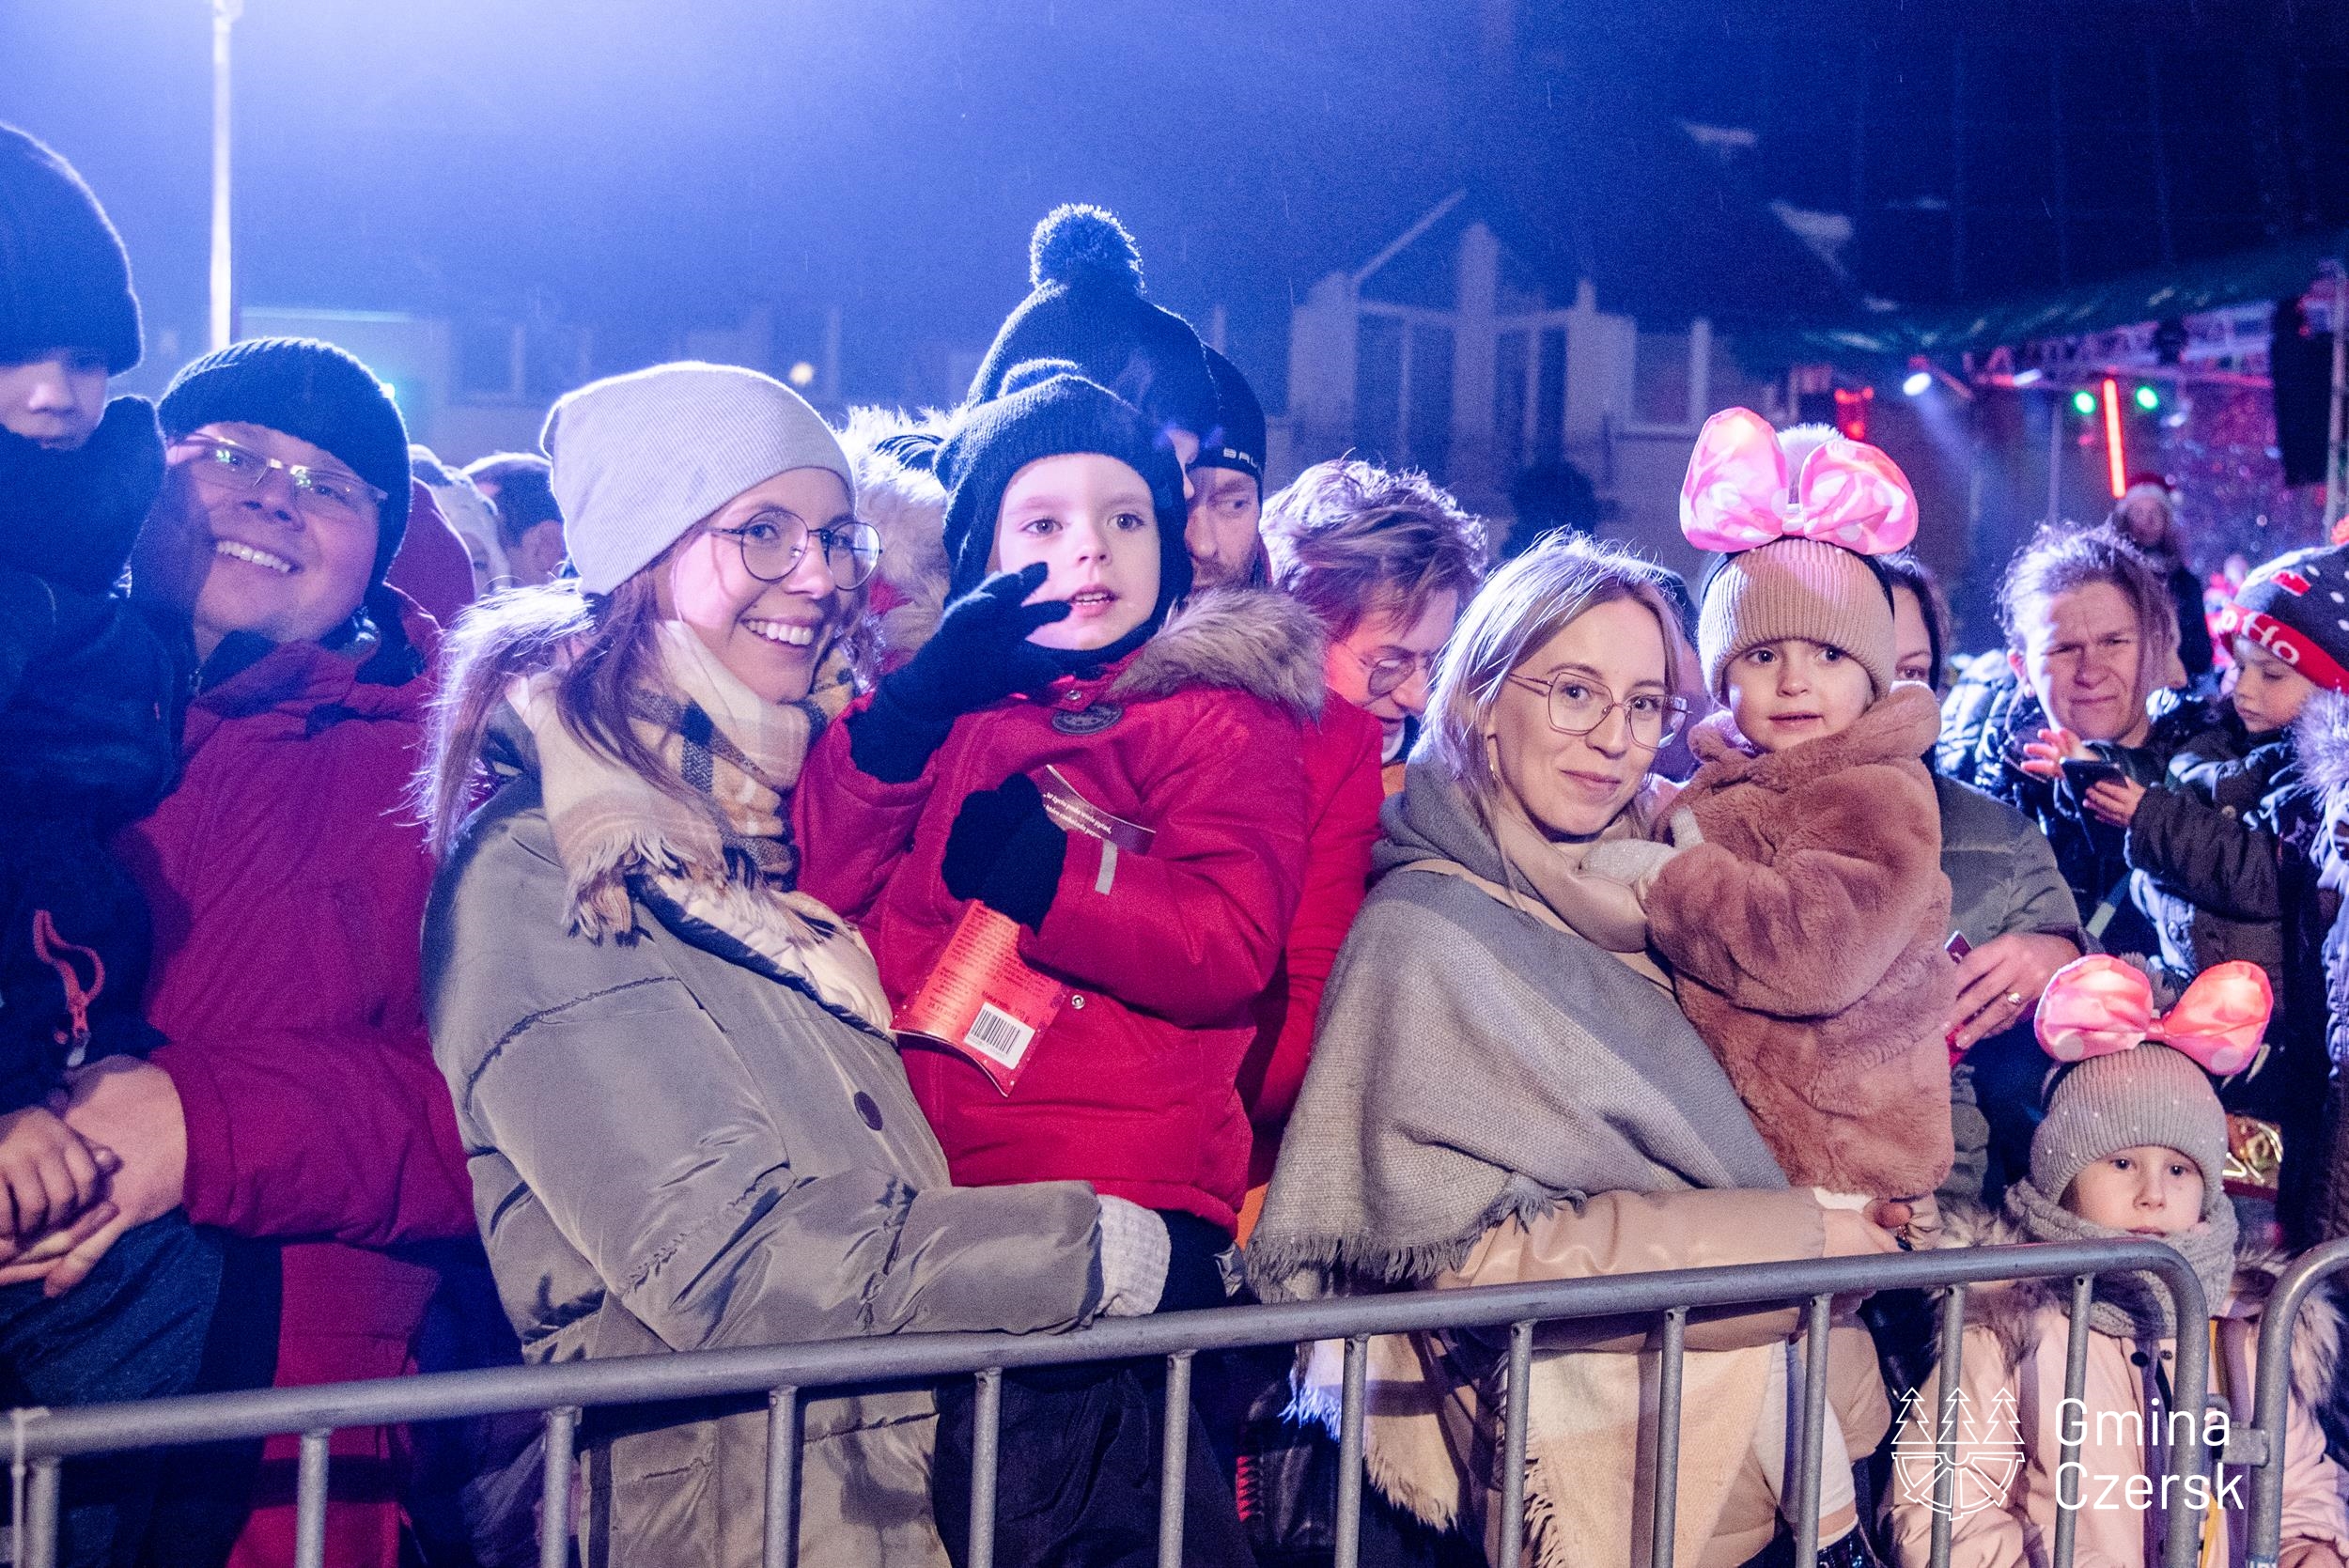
(987, 1430)
(2075, 1387)
(715, 1374)
(310, 1501)
(1666, 1522)
(2184, 1548)
(1812, 1457)
(1348, 1542)
(1173, 1459)
(1951, 1362)
(2272, 1381)
(781, 1548)
(36, 1532)
(1514, 1415)
(554, 1493)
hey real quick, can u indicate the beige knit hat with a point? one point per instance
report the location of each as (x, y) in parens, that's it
(1793, 587)
(2148, 1095)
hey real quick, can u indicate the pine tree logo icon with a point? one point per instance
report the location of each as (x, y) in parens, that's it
(1989, 1455)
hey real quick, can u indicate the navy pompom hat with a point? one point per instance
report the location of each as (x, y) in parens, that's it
(1086, 306)
(312, 391)
(65, 280)
(1049, 410)
(2296, 607)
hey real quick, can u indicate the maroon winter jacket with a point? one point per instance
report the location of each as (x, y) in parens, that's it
(287, 883)
(1135, 1086)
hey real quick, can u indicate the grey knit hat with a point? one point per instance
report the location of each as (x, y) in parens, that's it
(1792, 587)
(2147, 1096)
(642, 457)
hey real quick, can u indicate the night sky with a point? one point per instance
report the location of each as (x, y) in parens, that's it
(649, 168)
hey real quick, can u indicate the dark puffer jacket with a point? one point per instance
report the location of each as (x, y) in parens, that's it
(1987, 720)
(2204, 848)
(2312, 1023)
(91, 687)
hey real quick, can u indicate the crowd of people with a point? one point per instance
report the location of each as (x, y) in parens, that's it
(725, 880)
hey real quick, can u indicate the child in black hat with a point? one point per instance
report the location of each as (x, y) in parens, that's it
(1113, 800)
(89, 689)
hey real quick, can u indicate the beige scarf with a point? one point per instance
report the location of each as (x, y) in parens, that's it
(1604, 910)
(730, 865)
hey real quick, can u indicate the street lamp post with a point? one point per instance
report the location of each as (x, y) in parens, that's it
(224, 292)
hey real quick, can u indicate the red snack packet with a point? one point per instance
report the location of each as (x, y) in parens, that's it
(983, 999)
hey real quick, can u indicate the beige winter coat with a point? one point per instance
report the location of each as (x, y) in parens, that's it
(2014, 1350)
(1435, 1428)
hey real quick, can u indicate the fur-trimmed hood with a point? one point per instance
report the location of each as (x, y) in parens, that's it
(1246, 639)
(2321, 737)
(2008, 1311)
(907, 505)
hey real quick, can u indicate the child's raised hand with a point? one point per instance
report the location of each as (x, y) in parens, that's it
(2115, 801)
(49, 1173)
(2043, 758)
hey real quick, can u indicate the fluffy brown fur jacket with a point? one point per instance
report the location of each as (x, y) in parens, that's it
(1806, 940)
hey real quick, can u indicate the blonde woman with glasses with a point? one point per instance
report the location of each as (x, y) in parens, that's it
(1503, 1090)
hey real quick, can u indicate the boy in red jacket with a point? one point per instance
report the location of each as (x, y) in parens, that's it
(1122, 805)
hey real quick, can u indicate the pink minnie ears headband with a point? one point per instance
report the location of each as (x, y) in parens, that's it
(2098, 1005)
(1736, 496)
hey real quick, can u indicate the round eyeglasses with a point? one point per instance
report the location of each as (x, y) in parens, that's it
(1578, 705)
(326, 493)
(774, 544)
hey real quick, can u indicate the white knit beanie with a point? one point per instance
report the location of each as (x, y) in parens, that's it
(642, 457)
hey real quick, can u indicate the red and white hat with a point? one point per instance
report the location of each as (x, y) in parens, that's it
(2296, 607)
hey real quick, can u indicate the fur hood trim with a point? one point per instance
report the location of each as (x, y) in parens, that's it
(1900, 727)
(2008, 1311)
(1264, 643)
(2321, 737)
(908, 507)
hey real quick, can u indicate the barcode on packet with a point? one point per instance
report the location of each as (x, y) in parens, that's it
(999, 1036)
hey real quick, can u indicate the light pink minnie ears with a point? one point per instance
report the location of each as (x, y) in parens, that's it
(1736, 495)
(2098, 1005)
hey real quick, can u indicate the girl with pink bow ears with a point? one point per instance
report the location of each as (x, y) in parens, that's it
(2134, 1145)
(1805, 933)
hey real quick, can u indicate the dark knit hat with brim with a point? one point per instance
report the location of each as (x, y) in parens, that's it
(312, 391)
(1237, 440)
(1048, 411)
(2296, 607)
(1086, 306)
(65, 280)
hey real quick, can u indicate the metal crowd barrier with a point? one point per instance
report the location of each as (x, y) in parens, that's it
(2272, 1399)
(42, 1439)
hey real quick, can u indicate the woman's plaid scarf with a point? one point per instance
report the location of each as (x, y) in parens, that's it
(726, 860)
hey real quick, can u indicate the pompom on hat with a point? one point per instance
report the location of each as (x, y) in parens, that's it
(1795, 543)
(1085, 305)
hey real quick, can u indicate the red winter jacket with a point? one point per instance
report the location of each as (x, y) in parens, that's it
(1135, 1086)
(287, 883)
(1342, 794)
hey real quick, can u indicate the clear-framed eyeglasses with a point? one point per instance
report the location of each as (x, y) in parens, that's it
(774, 544)
(1578, 704)
(331, 494)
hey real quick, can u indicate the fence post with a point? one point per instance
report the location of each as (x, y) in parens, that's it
(1665, 1523)
(1173, 1459)
(2272, 1401)
(555, 1495)
(1349, 1535)
(1514, 1414)
(310, 1501)
(781, 1541)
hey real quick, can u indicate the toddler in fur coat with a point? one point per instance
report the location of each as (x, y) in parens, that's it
(1806, 932)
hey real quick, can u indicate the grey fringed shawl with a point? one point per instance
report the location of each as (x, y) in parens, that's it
(1473, 1063)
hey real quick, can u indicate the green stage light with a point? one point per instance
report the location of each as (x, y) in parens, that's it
(2084, 403)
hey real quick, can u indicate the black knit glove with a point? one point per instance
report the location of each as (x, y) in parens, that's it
(69, 518)
(1006, 852)
(980, 653)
